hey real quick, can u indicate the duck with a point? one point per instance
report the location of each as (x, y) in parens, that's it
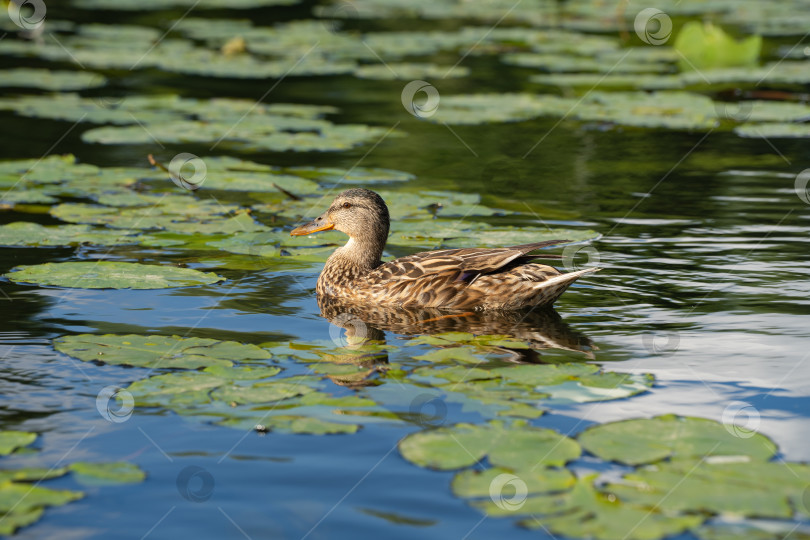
(467, 279)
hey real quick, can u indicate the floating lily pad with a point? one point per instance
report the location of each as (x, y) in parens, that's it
(409, 71)
(484, 108)
(707, 46)
(50, 80)
(583, 512)
(103, 474)
(514, 446)
(31, 474)
(147, 119)
(669, 436)
(158, 351)
(11, 440)
(24, 233)
(718, 486)
(356, 175)
(26, 501)
(18, 519)
(149, 5)
(110, 275)
(674, 110)
(776, 130)
(27, 196)
(472, 483)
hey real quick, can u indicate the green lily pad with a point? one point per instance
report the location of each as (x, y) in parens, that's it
(11, 440)
(16, 520)
(243, 373)
(309, 425)
(27, 196)
(24, 499)
(514, 446)
(706, 46)
(31, 474)
(719, 486)
(147, 119)
(472, 483)
(409, 71)
(673, 110)
(103, 474)
(583, 512)
(260, 392)
(110, 275)
(775, 130)
(175, 390)
(465, 355)
(24, 233)
(159, 351)
(485, 108)
(50, 80)
(669, 436)
(151, 5)
(356, 175)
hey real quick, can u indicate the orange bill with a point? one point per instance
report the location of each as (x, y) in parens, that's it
(319, 224)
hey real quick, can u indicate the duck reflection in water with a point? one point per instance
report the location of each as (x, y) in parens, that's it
(540, 328)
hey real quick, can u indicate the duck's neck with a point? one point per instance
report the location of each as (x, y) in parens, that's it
(352, 261)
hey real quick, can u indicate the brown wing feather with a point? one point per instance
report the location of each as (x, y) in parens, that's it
(465, 260)
(446, 278)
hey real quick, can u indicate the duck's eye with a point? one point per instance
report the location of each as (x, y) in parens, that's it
(347, 205)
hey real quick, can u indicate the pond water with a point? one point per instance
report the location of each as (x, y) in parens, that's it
(702, 237)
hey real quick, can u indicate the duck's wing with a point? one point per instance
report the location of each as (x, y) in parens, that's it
(455, 264)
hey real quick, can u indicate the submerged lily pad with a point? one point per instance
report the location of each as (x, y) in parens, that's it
(669, 436)
(159, 351)
(102, 474)
(514, 446)
(110, 275)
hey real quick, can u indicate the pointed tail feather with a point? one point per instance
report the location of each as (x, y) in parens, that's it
(550, 290)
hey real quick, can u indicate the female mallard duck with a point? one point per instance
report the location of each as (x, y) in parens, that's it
(457, 279)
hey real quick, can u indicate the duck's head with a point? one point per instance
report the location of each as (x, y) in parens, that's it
(360, 213)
